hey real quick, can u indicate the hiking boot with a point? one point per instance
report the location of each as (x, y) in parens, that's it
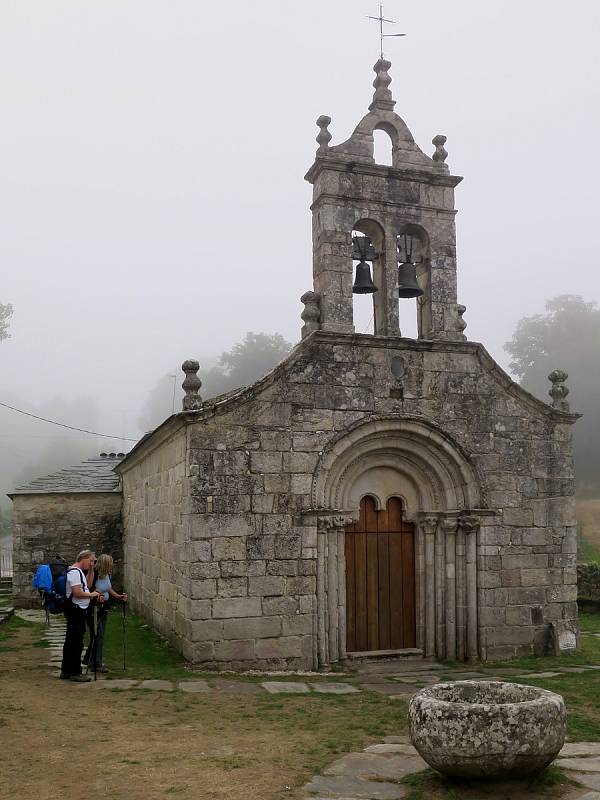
(102, 668)
(64, 676)
(80, 678)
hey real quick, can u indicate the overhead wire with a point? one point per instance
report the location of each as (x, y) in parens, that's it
(69, 427)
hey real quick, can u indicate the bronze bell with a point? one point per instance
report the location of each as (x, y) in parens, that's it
(363, 283)
(407, 281)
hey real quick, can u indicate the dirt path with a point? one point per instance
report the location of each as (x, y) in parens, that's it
(65, 740)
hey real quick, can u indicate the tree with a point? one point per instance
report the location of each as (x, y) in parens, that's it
(566, 337)
(246, 362)
(6, 312)
(251, 359)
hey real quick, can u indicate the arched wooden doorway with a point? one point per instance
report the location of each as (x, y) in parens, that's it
(380, 579)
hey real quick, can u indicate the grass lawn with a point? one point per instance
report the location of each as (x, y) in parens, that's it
(147, 745)
(149, 656)
(250, 746)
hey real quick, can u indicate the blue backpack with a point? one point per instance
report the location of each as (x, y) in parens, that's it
(51, 581)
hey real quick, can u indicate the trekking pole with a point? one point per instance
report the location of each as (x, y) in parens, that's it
(95, 642)
(124, 633)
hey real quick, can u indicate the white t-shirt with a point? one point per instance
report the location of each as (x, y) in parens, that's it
(75, 577)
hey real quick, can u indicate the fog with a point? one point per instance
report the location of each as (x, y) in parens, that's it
(152, 201)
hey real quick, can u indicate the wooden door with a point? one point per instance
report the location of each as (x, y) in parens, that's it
(380, 579)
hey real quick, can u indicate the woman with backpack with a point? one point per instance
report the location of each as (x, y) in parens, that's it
(102, 584)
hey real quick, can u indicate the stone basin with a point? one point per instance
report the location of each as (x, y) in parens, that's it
(487, 729)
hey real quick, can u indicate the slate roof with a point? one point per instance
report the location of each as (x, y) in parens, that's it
(93, 475)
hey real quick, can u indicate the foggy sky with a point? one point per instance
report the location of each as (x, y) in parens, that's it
(152, 154)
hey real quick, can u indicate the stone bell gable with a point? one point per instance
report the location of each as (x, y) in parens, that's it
(374, 495)
(415, 196)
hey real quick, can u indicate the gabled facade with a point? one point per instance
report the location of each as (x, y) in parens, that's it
(374, 494)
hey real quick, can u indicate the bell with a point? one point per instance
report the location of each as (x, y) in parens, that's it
(407, 281)
(363, 283)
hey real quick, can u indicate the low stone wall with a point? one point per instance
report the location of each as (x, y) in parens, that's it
(46, 525)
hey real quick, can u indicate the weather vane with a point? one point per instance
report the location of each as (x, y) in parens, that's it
(381, 19)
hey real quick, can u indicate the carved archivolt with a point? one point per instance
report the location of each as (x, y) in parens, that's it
(431, 468)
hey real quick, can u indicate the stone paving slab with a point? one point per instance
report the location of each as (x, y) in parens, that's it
(587, 779)
(591, 764)
(346, 787)
(157, 685)
(539, 675)
(382, 749)
(116, 683)
(193, 687)
(465, 676)
(507, 671)
(572, 670)
(590, 796)
(371, 766)
(238, 687)
(580, 749)
(424, 678)
(285, 687)
(334, 688)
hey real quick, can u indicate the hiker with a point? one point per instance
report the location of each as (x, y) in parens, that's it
(102, 584)
(78, 597)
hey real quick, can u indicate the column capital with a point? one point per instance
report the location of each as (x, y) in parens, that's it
(449, 525)
(428, 523)
(340, 520)
(469, 523)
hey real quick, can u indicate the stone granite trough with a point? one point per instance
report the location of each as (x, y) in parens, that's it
(487, 729)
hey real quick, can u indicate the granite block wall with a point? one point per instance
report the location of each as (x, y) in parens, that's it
(46, 525)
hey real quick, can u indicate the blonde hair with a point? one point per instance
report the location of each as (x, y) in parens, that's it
(104, 565)
(84, 554)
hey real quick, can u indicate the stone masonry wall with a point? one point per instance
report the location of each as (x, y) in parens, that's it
(252, 529)
(156, 563)
(46, 525)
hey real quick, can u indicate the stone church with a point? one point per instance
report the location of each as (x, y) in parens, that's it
(374, 494)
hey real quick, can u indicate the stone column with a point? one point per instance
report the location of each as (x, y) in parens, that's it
(428, 525)
(331, 588)
(440, 600)
(341, 562)
(470, 527)
(420, 584)
(449, 526)
(461, 595)
(332, 594)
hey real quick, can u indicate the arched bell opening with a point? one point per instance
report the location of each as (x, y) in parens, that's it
(382, 147)
(379, 552)
(370, 277)
(414, 284)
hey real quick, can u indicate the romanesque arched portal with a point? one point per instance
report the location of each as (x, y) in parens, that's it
(414, 461)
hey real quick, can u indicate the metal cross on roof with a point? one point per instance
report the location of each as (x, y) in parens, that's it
(381, 19)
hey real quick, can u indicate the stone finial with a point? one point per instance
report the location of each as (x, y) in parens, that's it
(441, 154)
(191, 385)
(558, 392)
(324, 137)
(461, 323)
(382, 98)
(311, 314)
